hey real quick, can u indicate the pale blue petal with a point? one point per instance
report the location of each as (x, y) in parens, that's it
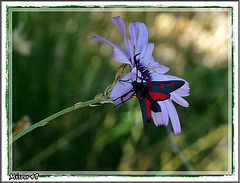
(143, 35)
(146, 54)
(119, 54)
(183, 91)
(134, 32)
(158, 68)
(174, 117)
(139, 32)
(98, 38)
(121, 27)
(164, 113)
(131, 51)
(179, 100)
(161, 118)
(156, 118)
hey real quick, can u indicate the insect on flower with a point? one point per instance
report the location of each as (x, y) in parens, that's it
(149, 93)
(147, 79)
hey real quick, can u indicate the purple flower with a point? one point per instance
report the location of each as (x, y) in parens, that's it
(146, 69)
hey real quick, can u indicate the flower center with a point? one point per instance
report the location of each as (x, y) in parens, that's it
(142, 68)
(144, 71)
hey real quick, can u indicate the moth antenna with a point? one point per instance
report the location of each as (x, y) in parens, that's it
(137, 66)
(136, 63)
(135, 60)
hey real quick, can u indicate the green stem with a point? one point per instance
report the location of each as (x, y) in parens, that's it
(60, 113)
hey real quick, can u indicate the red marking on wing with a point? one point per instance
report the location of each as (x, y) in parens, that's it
(149, 84)
(158, 96)
(172, 85)
(139, 98)
(161, 86)
(148, 103)
(145, 123)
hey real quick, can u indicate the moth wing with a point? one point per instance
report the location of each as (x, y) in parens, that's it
(145, 108)
(164, 87)
(158, 96)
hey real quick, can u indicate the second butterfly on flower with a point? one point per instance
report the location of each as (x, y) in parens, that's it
(147, 80)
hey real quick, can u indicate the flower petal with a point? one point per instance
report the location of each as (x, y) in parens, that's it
(161, 77)
(146, 53)
(98, 38)
(119, 54)
(156, 118)
(161, 118)
(134, 32)
(131, 50)
(184, 90)
(181, 92)
(157, 68)
(143, 35)
(121, 27)
(152, 60)
(164, 112)
(179, 100)
(174, 117)
(139, 34)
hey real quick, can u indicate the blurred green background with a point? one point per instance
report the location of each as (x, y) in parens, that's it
(55, 65)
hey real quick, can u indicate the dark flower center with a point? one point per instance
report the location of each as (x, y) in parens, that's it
(142, 68)
(144, 71)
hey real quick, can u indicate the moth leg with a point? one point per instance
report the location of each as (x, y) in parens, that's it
(124, 95)
(126, 81)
